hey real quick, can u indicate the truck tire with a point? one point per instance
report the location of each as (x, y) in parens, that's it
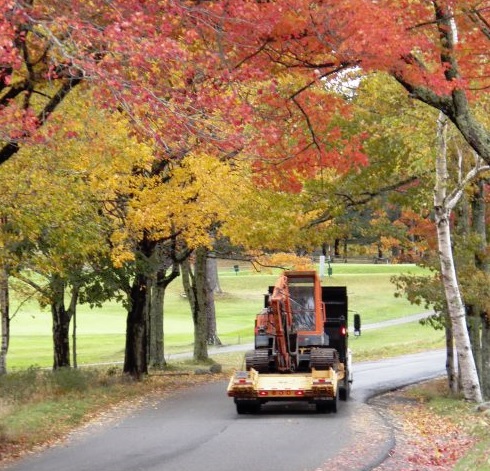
(334, 405)
(247, 407)
(344, 391)
(322, 407)
(328, 406)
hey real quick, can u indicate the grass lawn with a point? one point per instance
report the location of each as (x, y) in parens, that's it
(101, 332)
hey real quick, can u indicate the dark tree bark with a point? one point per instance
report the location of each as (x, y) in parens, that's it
(137, 322)
(156, 356)
(195, 287)
(200, 315)
(452, 374)
(5, 318)
(135, 357)
(485, 355)
(61, 321)
(212, 287)
(473, 320)
(61, 324)
(72, 312)
(482, 336)
(160, 282)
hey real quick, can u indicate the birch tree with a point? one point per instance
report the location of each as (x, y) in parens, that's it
(444, 203)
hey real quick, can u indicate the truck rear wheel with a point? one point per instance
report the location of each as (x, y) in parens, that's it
(247, 407)
(322, 407)
(334, 405)
(328, 406)
(344, 392)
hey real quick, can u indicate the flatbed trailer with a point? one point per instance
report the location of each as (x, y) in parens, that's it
(251, 389)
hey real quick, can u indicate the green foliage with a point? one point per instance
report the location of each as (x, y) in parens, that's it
(100, 331)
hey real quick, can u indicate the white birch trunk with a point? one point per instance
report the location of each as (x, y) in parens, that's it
(469, 377)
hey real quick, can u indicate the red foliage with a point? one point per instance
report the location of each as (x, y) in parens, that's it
(235, 76)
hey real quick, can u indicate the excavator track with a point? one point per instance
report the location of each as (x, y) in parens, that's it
(259, 361)
(324, 358)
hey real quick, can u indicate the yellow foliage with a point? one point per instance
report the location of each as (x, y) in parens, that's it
(287, 261)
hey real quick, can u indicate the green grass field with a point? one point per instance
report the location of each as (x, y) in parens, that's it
(101, 332)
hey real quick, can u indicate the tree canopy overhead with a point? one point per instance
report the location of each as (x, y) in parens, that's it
(239, 76)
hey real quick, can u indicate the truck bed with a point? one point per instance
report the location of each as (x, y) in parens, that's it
(319, 384)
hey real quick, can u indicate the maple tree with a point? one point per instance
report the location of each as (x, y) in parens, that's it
(412, 41)
(228, 78)
(54, 225)
(282, 51)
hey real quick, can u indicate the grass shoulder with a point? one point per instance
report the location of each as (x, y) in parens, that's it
(40, 407)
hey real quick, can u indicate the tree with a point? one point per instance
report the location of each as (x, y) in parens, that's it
(196, 289)
(5, 318)
(53, 199)
(213, 287)
(443, 205)
(53, 241)
(166, 271)
(411, 41)
(473, 276)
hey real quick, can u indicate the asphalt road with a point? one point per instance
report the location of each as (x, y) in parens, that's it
(200, 430)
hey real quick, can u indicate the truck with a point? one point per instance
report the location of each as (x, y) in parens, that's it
(300, 347)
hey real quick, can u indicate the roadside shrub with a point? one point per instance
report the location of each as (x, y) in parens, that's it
(19, 386)
(66, 380)
(34, 385)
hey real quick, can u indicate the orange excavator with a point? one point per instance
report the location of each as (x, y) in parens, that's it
(301, 346)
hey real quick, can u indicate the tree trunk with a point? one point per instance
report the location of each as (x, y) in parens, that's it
(200, 315)
(212, 287)
(473, 321)
(188, 284)
(194, 284)
(467, 368)
(5, 318)
(485, 351)
(72, 313)
(452, 374)
(213, 278)
(159, 286)
(61, 324)
(478, 205)
(135, 355)
(137, 351)
(156, 353)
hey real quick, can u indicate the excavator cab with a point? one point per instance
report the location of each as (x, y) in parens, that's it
(305, 297)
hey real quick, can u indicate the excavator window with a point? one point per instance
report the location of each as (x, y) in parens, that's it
(302, 303)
